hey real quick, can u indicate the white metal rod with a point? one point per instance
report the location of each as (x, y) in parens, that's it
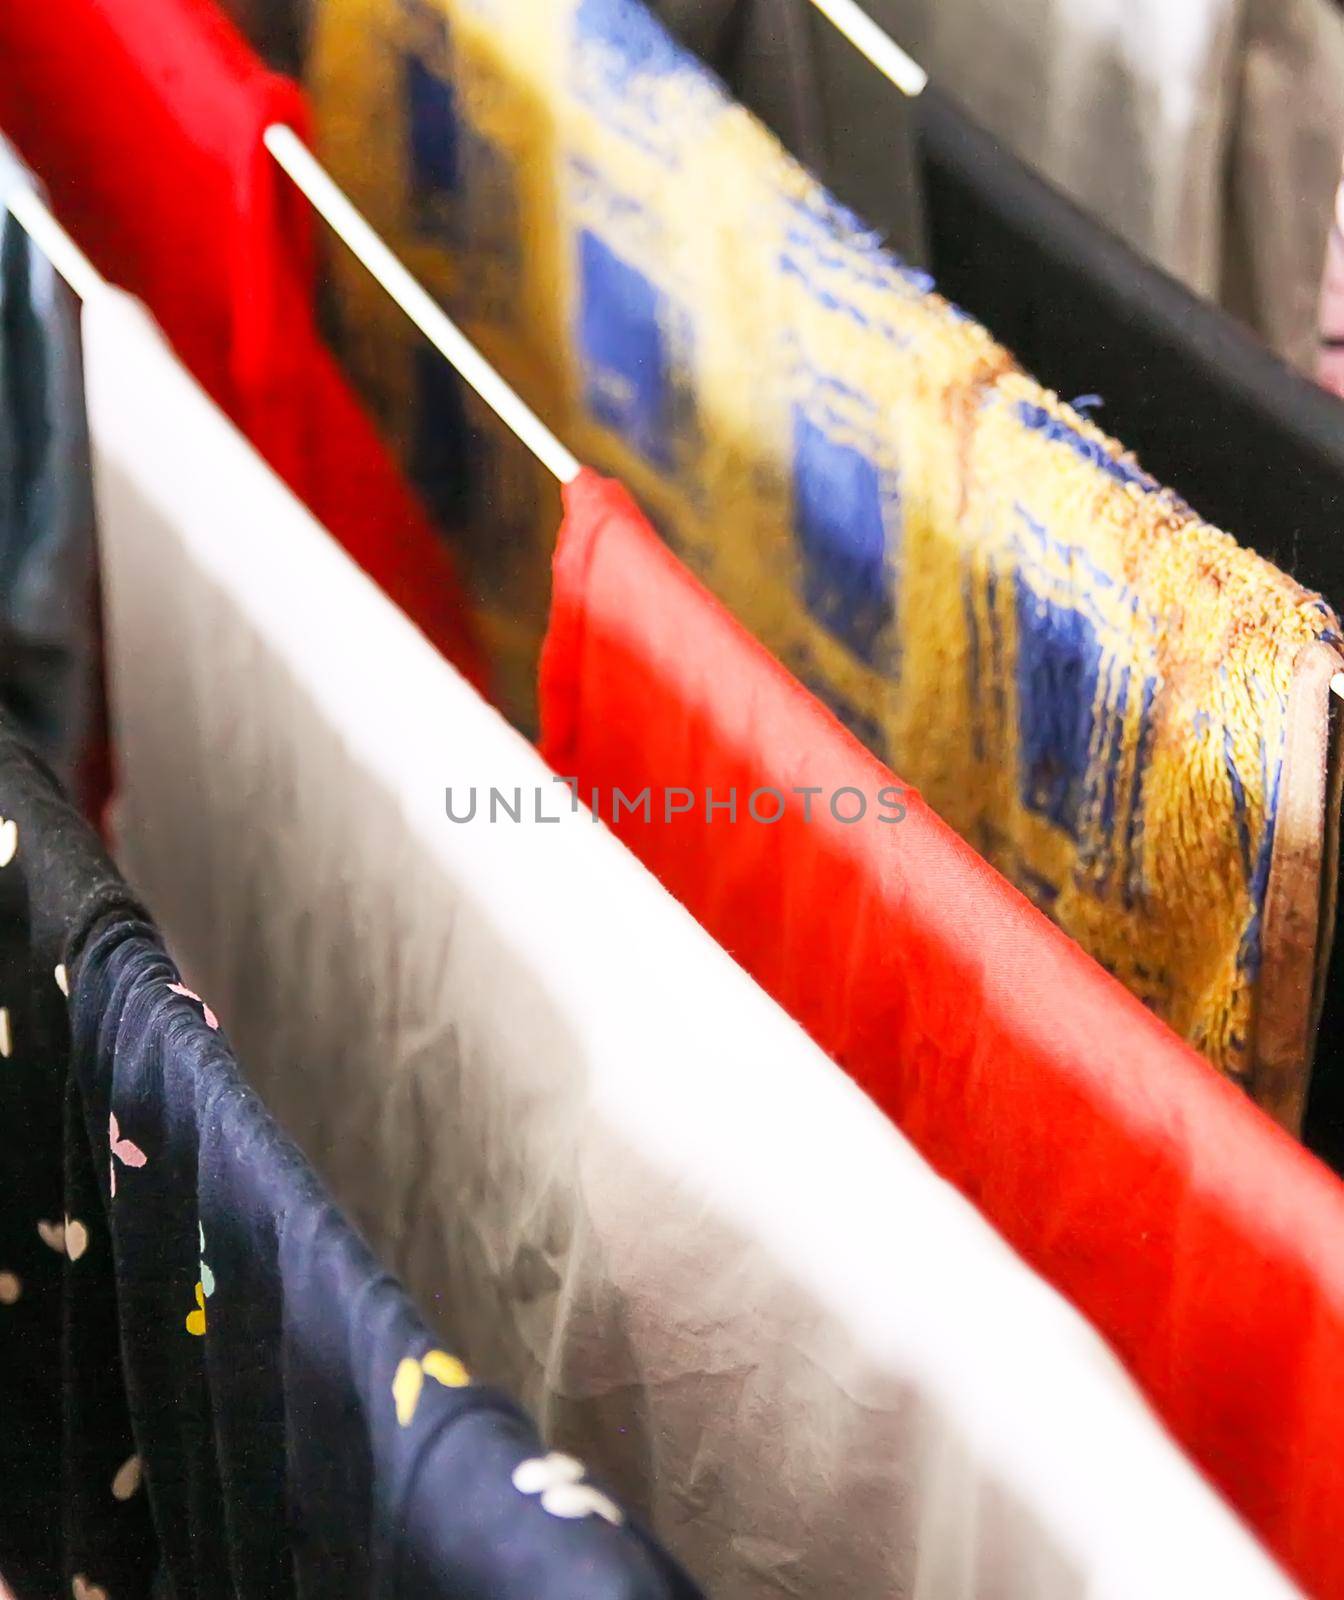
(869, 40)
(308, 173)
(30, 212)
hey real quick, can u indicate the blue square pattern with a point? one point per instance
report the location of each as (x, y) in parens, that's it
(841, 533)
(433, 130)
(462, 188)
(626, 336)
(1058, 672)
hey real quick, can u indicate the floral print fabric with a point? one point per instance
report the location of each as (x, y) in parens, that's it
(210, 1388)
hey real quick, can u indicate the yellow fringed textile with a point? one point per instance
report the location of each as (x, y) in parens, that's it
(1089, 683)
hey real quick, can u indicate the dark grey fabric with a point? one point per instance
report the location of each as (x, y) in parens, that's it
(276, 29)
(46, 505)
(830, 108)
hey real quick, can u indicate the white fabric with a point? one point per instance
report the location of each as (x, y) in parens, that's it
(623, 1183)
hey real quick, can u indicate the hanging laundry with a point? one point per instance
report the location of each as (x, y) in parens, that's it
(1191, 1232)
(1250, 445)
(634, 1192)
(145, 120)
(972, 577)
(46, 510)
(272, 1363)
(1125, 107)
(1203, 139)
(1284, 137)
(58, 1363)
(84, 1484)
(825, 103)
(1251, 123)
(1287, 137)
(249, 1405)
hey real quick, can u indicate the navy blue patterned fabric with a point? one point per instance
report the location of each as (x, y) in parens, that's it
(209, 1388)
(300, 1433)
(67, 1453)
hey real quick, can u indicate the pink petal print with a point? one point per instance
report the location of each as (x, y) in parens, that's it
(125, 1150)
(211, 1020)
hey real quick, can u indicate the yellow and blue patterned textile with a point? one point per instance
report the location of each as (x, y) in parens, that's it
(1089, 683)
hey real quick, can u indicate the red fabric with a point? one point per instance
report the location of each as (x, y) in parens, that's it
(144, 119)
(1196, 1236)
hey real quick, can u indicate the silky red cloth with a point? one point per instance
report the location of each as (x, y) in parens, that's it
(1197, 1237)
(144, 120)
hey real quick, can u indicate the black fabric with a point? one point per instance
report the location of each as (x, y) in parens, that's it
(278, 30)
(203, 1373)
(1253, 446)
(65, 1432)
